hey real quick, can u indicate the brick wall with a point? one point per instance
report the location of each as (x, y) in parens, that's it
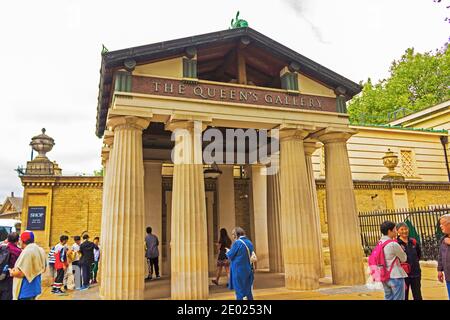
(75, 210)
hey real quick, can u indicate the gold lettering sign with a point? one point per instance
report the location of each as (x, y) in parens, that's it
(235, 94)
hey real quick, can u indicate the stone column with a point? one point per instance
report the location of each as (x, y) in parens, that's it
(123, 218)
(108, 141)
(225, 193)
(103, 233)
(343, 226)
(189, 246)
(276, 263)
(153, 203)
(310, 147)
(259, 197)
(300, 249)
(212, 257)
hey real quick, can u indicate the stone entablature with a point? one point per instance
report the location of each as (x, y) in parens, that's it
(224, 92)
(62, 181)
(411, 185)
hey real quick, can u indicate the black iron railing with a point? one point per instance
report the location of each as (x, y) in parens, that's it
(423, 225)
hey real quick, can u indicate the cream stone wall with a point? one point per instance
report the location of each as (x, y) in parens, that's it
(366, 150)
(309, 86)
(380, 196)
(441, 122)
(167, 68)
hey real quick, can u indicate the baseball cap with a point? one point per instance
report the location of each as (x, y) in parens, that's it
(27, 236)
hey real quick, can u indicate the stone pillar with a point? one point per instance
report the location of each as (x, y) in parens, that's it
(123, 219)
(346, 251)
(310, 147)
(168, 229)
(103, 234)
(189, 246)
(153, 202)
(212, 257)
(225, 193)
(276, 263)
(108, 141)
(300, 250)
(259, 187)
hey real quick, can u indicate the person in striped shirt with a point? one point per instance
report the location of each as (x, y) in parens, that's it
(51, 264)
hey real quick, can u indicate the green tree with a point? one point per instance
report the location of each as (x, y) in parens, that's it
(98, 172)
(416, 81)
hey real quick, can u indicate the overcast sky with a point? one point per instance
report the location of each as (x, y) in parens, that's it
(50, 54)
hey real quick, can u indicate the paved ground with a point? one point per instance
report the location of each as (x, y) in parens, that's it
(270, 286)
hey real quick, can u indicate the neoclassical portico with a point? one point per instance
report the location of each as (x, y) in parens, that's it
(153, 112)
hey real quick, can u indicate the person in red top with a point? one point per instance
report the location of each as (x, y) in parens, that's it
(14, 253)
(61, 264)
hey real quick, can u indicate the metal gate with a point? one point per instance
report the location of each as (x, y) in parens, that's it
(423, 225)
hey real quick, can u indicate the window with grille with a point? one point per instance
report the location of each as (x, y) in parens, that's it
(408, 164)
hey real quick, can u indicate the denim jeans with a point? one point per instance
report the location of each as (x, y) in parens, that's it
(86, 274)
(394, 289)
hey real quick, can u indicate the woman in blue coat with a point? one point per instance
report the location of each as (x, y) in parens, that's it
(241, 271)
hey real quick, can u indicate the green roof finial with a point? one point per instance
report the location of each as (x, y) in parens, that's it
(104, 49)
(239, 23)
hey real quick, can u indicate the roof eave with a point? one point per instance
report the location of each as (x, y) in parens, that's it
(116, 58)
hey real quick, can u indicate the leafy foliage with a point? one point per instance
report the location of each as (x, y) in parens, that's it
(98, 172)
(416, 81)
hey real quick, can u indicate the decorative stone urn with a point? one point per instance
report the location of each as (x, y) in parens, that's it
(41, 165)
(390, 161)
(42, 144)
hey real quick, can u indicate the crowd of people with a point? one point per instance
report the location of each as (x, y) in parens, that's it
(21, 267)
(75, 266)
(394, 262)
(23, 263)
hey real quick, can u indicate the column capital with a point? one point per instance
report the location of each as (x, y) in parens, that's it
(117, 121)
(108, 138)
(333, 134)
(310, 146)
(105, 153)
(187, 122)
(294, 131)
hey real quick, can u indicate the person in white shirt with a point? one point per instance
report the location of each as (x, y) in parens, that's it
(394, 288)
(96, 260)
(76, 261)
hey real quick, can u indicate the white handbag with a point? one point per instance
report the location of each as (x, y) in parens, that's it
(252, 257)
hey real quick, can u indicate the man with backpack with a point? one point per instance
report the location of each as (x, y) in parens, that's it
(9, 254)
(61, 264)
(384, 263)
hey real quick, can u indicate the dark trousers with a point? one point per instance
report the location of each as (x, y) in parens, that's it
(86, 273)
(153, 262)
(6, 289)
(59, 279)
(414, 284)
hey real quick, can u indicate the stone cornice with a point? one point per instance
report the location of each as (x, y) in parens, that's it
(62, 181)
(388, 185)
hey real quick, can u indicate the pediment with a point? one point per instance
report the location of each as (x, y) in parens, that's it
(216, 57)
